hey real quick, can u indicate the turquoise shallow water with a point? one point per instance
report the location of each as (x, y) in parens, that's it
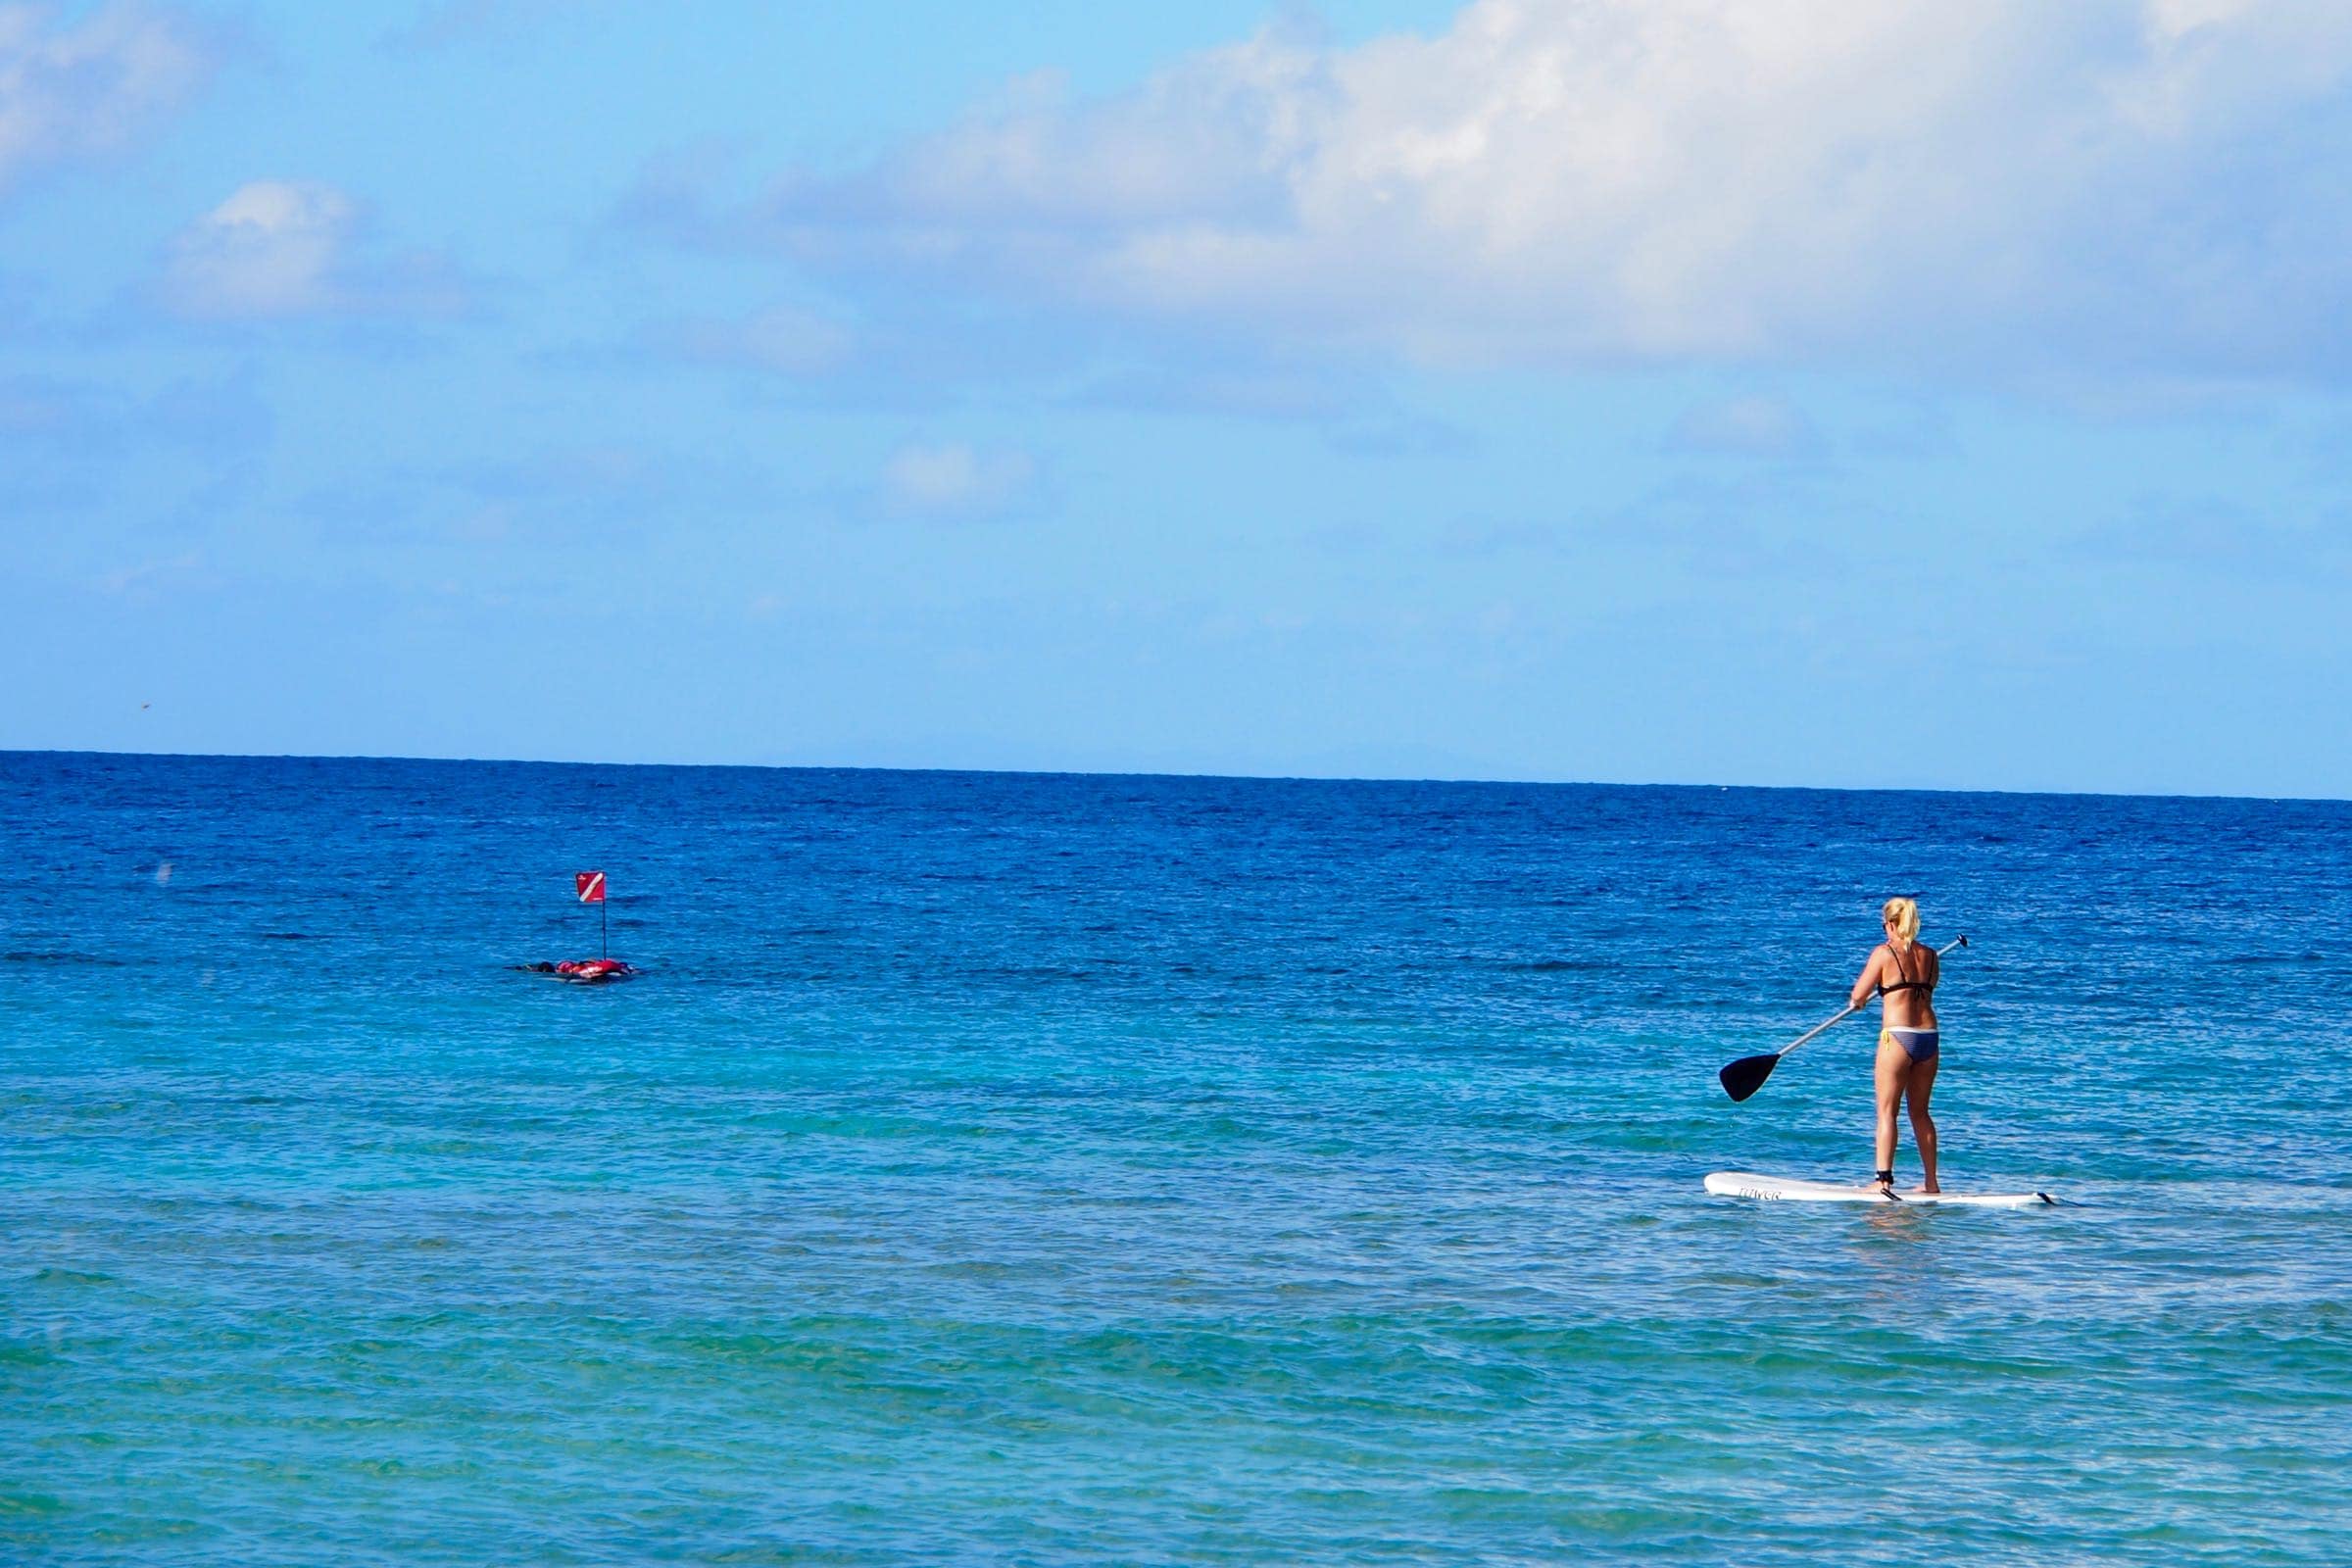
(1041, 1170)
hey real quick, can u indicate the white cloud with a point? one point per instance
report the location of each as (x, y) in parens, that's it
(146, 575)
(1746, 426)
(280, 247)
(2142, 184)
(784, 340)
(72, 90)
(955, 479)
(275, 247)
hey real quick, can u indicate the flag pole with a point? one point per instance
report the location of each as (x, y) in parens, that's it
(590, 886)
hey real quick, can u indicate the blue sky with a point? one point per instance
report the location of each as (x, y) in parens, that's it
(1772, 392)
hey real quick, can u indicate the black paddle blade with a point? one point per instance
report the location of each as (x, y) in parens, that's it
(1745, 1076)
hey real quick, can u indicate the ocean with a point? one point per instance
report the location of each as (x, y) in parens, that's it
(1037, 1169)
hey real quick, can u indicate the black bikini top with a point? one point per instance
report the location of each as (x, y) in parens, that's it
(1906, 983)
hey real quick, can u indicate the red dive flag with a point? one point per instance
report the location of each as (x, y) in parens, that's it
(591, 885)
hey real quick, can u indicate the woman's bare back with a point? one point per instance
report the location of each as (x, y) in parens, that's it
(1905, 978)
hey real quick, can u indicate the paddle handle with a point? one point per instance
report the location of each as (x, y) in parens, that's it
(1851, 1009)
(1826, 1023)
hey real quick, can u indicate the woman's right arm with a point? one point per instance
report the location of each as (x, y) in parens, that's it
(1868, 985)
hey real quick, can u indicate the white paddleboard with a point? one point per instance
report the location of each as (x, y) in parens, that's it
(1744, 1183)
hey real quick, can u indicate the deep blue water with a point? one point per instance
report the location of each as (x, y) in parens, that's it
(1038, 1169)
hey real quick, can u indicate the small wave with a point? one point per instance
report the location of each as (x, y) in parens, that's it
(54, 1275)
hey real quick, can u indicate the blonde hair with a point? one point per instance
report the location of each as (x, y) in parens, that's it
(1901, 916)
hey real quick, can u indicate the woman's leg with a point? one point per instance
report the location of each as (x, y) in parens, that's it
(1893, 1068)
(1923, 1125)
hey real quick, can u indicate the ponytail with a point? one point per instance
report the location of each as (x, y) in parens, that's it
(1901, 916)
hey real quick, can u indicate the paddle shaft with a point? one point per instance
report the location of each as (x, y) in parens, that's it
(1852, 1008)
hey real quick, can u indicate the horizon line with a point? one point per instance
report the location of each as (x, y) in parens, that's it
(1158, 773)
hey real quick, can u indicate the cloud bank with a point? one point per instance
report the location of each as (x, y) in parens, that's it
(82, 89)
(2143, 186)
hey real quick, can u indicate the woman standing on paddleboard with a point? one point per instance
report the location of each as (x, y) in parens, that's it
(1902, 974)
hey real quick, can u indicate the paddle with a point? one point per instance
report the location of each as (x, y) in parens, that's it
(1745, 1076)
